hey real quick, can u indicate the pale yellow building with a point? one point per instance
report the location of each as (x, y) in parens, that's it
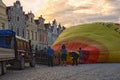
(42, 34)
(31, 32)
(3, 16)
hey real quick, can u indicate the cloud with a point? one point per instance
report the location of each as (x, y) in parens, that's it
(74, 12)
(28, 5)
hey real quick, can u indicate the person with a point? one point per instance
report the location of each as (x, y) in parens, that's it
(50, 53)
(63, 55)
(80, 55)
(75, 58)
(45, 50)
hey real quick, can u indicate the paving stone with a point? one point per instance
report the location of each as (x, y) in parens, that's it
(109, 71)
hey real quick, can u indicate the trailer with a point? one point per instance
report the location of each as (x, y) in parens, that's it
(14, 51)
(42, 58)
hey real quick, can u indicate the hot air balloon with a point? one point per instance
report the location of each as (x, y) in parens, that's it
(99, 42)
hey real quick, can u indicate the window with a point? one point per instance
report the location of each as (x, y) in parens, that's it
(23, 33)
(18, 18)
(31, 20)
(35, 35)
(11, 27)
(40, 35)
(18, 31)
(3, 25)
(28, 34)
(9, 18)
(32, 46)
(32, 34)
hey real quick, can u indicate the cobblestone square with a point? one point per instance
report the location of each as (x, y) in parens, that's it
(105, 71)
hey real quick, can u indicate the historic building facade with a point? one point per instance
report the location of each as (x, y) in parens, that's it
(31, 32)
(3, 16)
(49, 33)
(42, 34)
(16, 19)
(59, 29)
(54, 30)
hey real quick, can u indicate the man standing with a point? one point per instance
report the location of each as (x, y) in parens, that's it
(63, 55)
(50, 53)
(81, 55)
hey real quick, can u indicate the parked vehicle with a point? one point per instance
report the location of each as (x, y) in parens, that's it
(15, 51)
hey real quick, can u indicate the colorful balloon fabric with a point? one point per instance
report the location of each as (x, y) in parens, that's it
(99, 41)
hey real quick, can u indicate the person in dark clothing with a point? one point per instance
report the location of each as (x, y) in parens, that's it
(80, 55)
(75, 58)
(50, 53)
(63, 55)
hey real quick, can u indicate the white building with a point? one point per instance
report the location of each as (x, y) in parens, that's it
(54, 30)
(16, 19)
(49, 34)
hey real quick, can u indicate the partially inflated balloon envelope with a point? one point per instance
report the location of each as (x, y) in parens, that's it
(99, 41)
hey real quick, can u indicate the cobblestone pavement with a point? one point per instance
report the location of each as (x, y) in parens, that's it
(109, 71)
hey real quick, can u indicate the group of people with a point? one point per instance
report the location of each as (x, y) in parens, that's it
(63, 56)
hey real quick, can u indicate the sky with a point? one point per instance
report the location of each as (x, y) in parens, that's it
(72, 12)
